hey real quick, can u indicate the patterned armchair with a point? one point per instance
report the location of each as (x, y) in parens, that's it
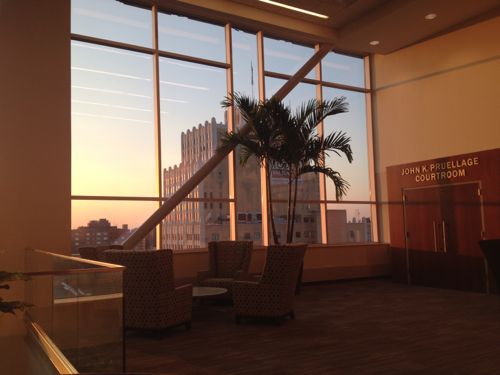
(228, 261)
(273, 295)
(151, 300)
(491, 251)
(97, 252)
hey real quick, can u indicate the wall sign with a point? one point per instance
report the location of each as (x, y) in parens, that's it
(445, 170)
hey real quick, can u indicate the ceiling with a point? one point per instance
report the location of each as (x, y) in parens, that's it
(394, 23)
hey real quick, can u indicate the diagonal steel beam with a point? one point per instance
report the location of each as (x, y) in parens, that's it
(167, 207)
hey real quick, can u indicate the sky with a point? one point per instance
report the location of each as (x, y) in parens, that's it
(113, 135)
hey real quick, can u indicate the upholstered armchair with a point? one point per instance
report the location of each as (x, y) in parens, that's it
(97, 252)
(228, 261)
(273, 295)
(151, 300)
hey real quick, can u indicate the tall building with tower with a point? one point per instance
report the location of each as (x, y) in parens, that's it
(204, 215)
(193, 223)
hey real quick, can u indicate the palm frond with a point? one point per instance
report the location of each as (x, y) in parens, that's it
(338, 142)
(318, 111)
(341, 185)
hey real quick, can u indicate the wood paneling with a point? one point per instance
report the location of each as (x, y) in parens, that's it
(444, 217)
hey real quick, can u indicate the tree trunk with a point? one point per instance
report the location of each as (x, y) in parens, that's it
(294, 205)
(289, 223)
(270, 204)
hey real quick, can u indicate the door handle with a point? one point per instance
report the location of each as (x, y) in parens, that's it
(435, 238)
(444, 236)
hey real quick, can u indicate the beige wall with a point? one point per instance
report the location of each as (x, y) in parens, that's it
(35, 207)
(321, 262)
(437, 98)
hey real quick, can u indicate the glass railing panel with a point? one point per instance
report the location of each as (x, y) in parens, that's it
(79, 304)
(32, 352)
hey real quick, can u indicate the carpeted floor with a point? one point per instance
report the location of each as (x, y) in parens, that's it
(354, 327)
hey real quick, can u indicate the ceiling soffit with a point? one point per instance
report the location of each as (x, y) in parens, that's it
(352, 23)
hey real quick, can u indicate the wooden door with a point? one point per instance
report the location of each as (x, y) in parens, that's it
(443, 225)
(422, 216)
(422, 210)
(462, 224)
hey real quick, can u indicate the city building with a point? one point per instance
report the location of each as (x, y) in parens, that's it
(193, 223)
(359, 231)
(97, 233)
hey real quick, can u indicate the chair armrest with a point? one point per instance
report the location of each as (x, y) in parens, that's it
(185, 286)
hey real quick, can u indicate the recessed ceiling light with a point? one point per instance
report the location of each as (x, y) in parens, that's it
(375, 42)
(294, 8)
(430, 16)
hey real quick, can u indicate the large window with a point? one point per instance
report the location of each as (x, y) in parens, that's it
(247, 178)
(111, 20)
(349, 220)
(286, 57)
(145, 120)
(113, 145)
(190, 37)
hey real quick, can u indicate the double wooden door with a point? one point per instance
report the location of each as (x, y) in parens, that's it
(443, 225)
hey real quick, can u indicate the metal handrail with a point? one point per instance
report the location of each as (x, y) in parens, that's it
(100, 266)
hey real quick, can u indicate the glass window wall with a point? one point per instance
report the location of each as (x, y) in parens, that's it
(346, 70)
(112, 20)
(285, 57)
(113, 144)
(186, 36)
(118, 162)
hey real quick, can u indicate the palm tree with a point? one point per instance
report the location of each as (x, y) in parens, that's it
(302, 150)
(263, 119)
(290, 142)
